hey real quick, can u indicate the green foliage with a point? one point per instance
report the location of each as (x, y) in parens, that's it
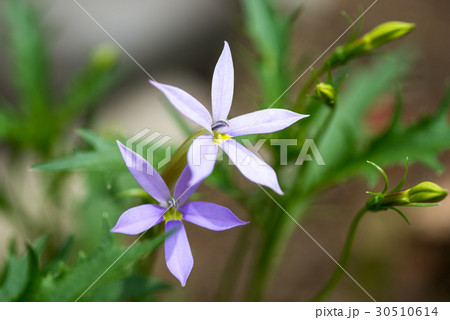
(133, 287)
(344, 138)
(269, 31)
(41, 118)
(106, 269)
(105, 156)
(17, 275)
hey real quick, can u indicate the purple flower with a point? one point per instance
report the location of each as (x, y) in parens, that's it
(172, 209)
(203, 151)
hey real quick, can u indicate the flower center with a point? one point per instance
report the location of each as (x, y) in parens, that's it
(172, 212)
(219, 124)
(173, 203)
(218, 137)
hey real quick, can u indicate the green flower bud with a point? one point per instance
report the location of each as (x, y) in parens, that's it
(386, 32)
(396, 199)
(382, 34)
(426, 192)
(105, 56)
(326, 93)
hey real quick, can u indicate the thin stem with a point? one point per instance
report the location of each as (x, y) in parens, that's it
(233, 267)
(178, 162)
(308, 85)
(343, 260)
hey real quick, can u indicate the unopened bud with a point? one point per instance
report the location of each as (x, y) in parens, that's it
(381, 34)
(426, 192)
(386, 32)
(105, 56)
(326, 93)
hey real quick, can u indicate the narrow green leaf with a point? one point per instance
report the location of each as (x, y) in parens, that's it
(383, 173)
(29, 63)
(401, 215)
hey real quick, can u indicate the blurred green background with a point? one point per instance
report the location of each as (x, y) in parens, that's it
(59, 71)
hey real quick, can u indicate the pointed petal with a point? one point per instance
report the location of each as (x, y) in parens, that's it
(222, 85)
(263, 121)
(147, 177)
(139, 219)
(252, 167)
(178, 253)
(202, 156)
(210, 215)
(185, 187)
(186, 104)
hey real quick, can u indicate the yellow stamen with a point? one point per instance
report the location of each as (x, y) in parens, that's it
(218, 137)
(172, 214)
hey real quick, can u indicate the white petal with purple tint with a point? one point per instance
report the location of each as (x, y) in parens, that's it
(139, 219)
(252, 167)
(202, 155)
(186, 104)
(263, 121)
(222, 85)
(210, 215)
(178, 253)
(147, 177)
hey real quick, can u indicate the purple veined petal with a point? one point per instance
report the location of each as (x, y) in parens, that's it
(184, 187)
(202, 155)
(252, 167)
(186, 104)
(178, 253)
(139, 219)
(147, 177)
(210, 215)
(222, 85)
(262, 121)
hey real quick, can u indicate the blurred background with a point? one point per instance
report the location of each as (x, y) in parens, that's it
(179, 42)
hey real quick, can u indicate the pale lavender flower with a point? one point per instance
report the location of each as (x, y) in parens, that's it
(203, 151)
(172, 209)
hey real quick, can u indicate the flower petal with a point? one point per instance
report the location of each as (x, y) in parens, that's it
(185, 187)
(210, 215)
(222, 85)
(147, 177)
(139, 219)
(202, 155)
(262, 121)
(186, 104)
(252, 167)
(178, 253)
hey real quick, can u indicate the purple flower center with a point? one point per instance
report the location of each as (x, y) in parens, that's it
(219, 124)
(173, 203)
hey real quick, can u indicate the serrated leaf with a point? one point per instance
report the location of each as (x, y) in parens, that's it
(420, 142)
(107, 262)
(344, 137)
(104, 157)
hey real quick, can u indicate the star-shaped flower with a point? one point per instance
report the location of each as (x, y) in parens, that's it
(172, 209)
(203, 151)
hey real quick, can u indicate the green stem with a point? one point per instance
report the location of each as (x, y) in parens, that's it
(343, 260)
(233, 267)
(178, 162)
(307, 87)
